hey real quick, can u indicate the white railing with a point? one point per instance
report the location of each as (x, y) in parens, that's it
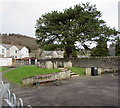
(10, 98)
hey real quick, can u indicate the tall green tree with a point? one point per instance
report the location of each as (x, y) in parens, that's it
(81, 23)
(52, 47)
(117, 47)
(101, 49)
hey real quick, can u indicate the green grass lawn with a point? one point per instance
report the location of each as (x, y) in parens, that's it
(78, 70)
(4, 69)
(18, 74)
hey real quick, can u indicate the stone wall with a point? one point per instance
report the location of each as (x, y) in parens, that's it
(104, 62)
(6, 62)
(58, 75)
(100, 62)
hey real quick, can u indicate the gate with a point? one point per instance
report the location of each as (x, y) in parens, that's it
(9, 98)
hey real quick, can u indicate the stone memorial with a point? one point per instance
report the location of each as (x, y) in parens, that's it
(55, 65)
(67, 64)
(48, 65)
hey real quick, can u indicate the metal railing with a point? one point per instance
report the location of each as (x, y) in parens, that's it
(10, 98)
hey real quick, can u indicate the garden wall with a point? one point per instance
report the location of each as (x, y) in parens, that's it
(57, 75)
(100, 62)
(5, 61)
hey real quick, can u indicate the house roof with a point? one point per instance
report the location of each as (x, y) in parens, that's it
(47, 52)
(51, 54)
(8, 46)
(19, 47)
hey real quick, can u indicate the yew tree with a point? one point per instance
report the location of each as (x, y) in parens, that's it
(117, 46)
(101, 49)
(81, 23)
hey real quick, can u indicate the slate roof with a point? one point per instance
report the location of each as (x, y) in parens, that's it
(7, 46)
(19, 47)
(51, 53)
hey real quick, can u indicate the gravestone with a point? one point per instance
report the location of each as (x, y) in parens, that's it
(48, 65)
(100, 71)
(88, 71)
(38, 64)
(55, 65)
(67, 64)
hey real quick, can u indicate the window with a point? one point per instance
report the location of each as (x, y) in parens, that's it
(3, 50)
(16, 51)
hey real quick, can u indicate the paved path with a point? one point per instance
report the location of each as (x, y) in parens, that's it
(99, 90)
(78, 91)
(1, 74)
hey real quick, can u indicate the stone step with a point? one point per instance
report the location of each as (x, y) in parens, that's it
(75, 75)
(72, 73)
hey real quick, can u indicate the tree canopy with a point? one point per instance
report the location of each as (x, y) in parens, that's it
(101, 49)
(81, 23)
(117, 47)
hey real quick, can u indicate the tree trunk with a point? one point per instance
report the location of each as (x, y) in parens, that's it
(68, 52)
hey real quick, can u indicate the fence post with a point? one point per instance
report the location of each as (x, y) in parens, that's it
(6, 88)
(1, 93)
(2, 88)
(20, 103)
(28, 106)
(9, 97)
(13, 99)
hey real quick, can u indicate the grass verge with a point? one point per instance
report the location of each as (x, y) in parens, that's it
(78, 70)
(4, 69)
(18, 74)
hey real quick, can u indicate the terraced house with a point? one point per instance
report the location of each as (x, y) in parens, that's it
(13, 51)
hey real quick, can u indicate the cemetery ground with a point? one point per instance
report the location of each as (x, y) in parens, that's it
(20, 73)
(99, 90)
(27, 71)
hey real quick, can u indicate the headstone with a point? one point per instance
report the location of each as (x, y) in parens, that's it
(49, 65)
(55, 65)
(38, 64)
(88, 71)
(67, 64)
(100, 70)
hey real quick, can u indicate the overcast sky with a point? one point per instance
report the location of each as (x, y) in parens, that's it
(20, 16)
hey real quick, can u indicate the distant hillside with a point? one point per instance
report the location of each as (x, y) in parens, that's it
(18, 39)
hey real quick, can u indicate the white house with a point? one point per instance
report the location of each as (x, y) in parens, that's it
(13, 51)
(3, 52)
(23, 52)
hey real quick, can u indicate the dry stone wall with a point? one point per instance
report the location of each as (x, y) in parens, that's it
(100, 62)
